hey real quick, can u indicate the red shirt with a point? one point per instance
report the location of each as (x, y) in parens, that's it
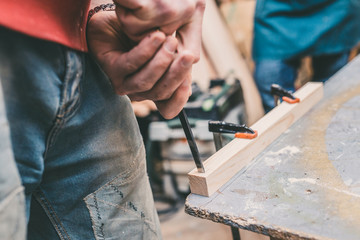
(60, 21)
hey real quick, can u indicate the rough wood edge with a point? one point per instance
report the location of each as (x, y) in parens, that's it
(225, 163)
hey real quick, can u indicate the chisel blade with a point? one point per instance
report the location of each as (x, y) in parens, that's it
(191, 141)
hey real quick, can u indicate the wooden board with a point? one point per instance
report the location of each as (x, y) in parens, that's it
(226, 58)
(306, 184)
(229, 160)
(203, 71)
(239, 16)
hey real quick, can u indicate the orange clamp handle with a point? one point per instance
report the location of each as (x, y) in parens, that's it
(291, 101)
(246, 135)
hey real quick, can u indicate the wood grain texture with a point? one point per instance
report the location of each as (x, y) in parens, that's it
(225, 163)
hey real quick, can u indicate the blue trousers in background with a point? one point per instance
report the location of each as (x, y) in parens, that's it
(284, 73)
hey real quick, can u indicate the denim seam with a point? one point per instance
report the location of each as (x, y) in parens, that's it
(128, 179)
(66, 112)
(67, 77)
(92, 217)
(58, 119)
(128, 210)
(50, 212)
(70, 110)
(98, 215)
(93, 194)
(71, 76)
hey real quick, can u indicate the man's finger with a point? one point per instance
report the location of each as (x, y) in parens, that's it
(178, 72)
(130, 62)
(171, 108)
(138, 22)
(146, 78)
(135, 28)
(189, 35)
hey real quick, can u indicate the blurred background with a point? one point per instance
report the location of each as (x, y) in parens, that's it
(223, 89)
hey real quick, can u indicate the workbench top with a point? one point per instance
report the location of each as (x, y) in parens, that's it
(306, 184)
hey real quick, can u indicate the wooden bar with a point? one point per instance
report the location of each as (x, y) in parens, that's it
(225, 163)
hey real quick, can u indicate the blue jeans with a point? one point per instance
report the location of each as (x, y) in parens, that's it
(76, 143)
(12, 199)
(284, 73)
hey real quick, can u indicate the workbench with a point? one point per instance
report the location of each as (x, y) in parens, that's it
(305, 184)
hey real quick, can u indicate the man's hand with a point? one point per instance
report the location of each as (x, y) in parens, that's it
(139, 17)
(150, 69)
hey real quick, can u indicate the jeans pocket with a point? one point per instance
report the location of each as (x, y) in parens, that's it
(124, 209)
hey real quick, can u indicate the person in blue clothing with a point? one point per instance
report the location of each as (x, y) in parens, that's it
(287, 31)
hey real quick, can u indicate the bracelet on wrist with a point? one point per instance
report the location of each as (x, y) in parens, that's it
(102, 7)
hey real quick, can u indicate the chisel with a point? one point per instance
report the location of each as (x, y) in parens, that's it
(191, 141)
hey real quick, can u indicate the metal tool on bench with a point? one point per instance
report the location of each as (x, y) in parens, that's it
(240, 131)
(191, 141)
(222, 96)
(209, 106)
(168, 151)
(278, 92)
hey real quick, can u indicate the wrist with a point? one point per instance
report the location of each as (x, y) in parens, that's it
(95, 3)
(99, 8)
